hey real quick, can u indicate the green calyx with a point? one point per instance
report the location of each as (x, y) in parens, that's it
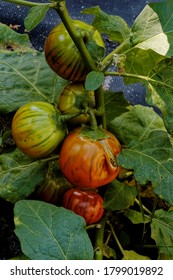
(95, 135)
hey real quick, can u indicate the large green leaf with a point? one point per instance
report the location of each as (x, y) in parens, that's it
(119, 196)
(136, 124)
(114, 26)
(160, 91)
(162, 231)
(152, 160)
(26, 77)
(19, 175)
(153, 29)
(47, 232)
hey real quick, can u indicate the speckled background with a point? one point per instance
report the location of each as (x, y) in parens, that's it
(127, 9)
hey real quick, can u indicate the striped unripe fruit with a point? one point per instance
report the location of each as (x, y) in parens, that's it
(63, 56)
(37, 129)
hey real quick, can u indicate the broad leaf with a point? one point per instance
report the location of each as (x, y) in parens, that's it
(10, 39)
(162, 231)
(153, 29)
(114, 26)
(136, 124)
(152, 160)
(132, 255)
(26, 77)
(115, 105)
(35, 16)
(160, 91)
(48, 232)
(140, 62)
(19, 175)
(94, 80)
(119, 196)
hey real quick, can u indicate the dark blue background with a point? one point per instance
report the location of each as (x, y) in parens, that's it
(127, 9)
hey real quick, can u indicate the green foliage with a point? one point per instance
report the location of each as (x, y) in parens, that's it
(114, 26)
(131, 255)
(136, 124)
(48, 232)
(153, 155)
(9, 38)
(94, 80)
(25, 77)
(35, 16)
(162, 231)
(143, 54)
(19, 175)
(119, 196)
(115, 105)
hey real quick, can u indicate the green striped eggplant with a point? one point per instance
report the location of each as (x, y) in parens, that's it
(62, 54)
(37, 128)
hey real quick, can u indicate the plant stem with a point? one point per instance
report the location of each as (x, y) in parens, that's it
(140, 202)
(29, 4)
(106, 61)
(99, 239)
(117, 241)
(49, 159)
(145, 209)
(140, 77)
(79, 42)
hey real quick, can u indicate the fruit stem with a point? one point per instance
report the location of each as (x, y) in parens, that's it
(65, 118)
(93, 121)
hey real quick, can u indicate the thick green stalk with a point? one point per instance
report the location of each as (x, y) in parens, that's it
(99, 239)
(75, 35)
(79, 42)
(107, 60)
